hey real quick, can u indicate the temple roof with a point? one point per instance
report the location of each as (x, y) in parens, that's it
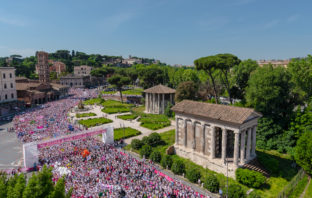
(236, 115)
(159, 89)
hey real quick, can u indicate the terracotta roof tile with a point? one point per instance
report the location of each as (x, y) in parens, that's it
(159, 89)
(237, 115)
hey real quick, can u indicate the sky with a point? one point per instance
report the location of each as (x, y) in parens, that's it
(172, 31)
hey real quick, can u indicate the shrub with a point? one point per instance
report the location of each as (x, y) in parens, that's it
(154, 139)
(166, 161)
(254, 194)
(250, 178)
(193, 175)
(211, 183)
(146, 151)
(270, 163)
(236, 191)
(155, 156)
(178, 167)
(136, 144)
(145, 139)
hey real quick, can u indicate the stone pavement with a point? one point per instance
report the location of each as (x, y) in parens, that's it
(11, 153)
(118, 123)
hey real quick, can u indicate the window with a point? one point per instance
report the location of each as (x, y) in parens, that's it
(3, 75)
(11, 85)
(6, 96)
(10, 75)
(5, 86)
(12, 95)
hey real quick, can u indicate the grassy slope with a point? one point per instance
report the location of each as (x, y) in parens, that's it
(308, 193)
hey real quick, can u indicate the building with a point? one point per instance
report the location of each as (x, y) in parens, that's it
(212, 134)
(157, 98)
(43, 67)
(275, 63)
(131, 61)
(82, 70)
(8, 96)
(75, 81)
(57, 66)
(37, 92)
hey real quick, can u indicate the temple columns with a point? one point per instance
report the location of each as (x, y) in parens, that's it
(213, 144)
(224, 140)
(236, 147)
(242, 150)
(253, 145)
(248, 144)
(163, 103)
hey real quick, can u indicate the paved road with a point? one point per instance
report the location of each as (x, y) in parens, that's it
(11, 153)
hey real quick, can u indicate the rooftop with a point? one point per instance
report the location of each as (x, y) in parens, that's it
(159, 89)
(236, 115)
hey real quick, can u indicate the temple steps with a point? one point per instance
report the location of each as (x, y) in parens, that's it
(255, 165)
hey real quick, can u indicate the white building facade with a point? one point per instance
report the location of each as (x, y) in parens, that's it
(7, 84)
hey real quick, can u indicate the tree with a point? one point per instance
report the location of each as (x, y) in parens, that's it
(31, 190)
(190, 75)
(154, 139)
(303, 151)
(269, 91)
(186, 90)
(152, 75)
(224, 64)
(59, 189)
(136, 144)
(241, 74)
(146, 151)
(45, 182)
(249, 178)
(301, 75)
(119, 81)
(209, 64)
(166, 161)
(155, 156)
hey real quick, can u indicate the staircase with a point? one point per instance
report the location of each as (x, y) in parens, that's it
(255, 165)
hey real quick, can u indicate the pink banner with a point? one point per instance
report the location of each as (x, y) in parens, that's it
(69, 138)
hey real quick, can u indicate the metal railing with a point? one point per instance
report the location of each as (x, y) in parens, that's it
(288, 189)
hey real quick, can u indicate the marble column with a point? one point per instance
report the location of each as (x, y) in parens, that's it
(248, 144)
(236, 147)
(204, 138)
(177, 131)
(253, 145)
(194, 138)
(213, 143)
(242, 149)
(158, 102)
(185, 133)
(163, 103)
(224, 140)
(154, 103)
(146, 102)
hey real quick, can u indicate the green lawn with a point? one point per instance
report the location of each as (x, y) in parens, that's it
(275, 183)
(82, 115)
(91, 122)
(128, 117)
(109, 92)
(113, 106)
(123, 133)
(137, 91)
(308, 193)
(153, 121)
(93, 101)
(299, 188)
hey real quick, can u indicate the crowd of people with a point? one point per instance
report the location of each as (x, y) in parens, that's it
(91, 168)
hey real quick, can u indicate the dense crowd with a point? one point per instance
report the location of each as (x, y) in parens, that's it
(104, 171)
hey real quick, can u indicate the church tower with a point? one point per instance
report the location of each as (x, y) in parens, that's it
(43, 67)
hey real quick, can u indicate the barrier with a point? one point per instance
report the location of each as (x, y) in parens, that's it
(30, 150)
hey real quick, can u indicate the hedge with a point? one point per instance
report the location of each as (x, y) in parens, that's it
(146, 150)
(178, 167)
(250, 178)
(211, 183)
(193, 175)
(236, 191)
(136, 144)
(155, 156)
(166, 161)
(94, 122)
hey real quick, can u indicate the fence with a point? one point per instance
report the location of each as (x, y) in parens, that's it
(292, 184)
